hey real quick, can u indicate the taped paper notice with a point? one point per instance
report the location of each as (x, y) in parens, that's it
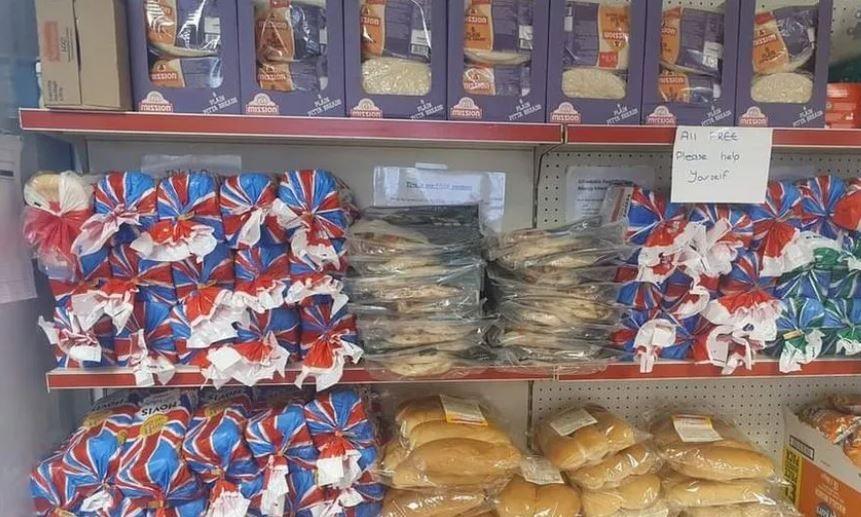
(570, 421)
(412, 186)
(695, 429)
(461, 411)
(586, 186)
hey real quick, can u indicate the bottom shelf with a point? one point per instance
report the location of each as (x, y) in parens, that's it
(190, 377)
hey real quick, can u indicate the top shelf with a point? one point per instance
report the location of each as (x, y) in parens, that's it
(108, 125)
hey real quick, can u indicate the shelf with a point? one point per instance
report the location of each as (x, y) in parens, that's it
(190, 377)
(762, 368)
(107, 125)
(633, 137)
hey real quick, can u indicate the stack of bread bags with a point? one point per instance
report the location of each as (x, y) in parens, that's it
(838, 418)
(607, 459)
(554, 292)
(446, 454)
(711, 469)
(415, 285)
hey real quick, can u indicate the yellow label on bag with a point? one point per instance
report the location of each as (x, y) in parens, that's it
(568, 422)
(695, 429)
(462, 411)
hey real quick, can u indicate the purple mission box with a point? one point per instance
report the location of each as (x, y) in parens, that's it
(689, 75)
(507, 77)
(575, 44)
(786, 87)
(190, 67)
(310, 81)
(408, 40)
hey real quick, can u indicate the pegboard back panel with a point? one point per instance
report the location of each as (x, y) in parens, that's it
(553, 190)
(756, 405)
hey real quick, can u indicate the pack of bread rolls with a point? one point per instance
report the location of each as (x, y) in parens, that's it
(635, 460)
(448, 442)
(693, 493)
(576, 437)
(707, 447)
(520, 498)
(409, 503)
(634, 493)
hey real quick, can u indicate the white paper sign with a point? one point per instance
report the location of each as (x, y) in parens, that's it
(585, 186)
(721, 164)
(16, 268)
(405, 186)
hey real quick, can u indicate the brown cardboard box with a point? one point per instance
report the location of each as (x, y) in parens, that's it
(83, 47)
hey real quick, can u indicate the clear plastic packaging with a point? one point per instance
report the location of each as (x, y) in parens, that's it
(437, 360)
(698, 55)
(370, 236)
(396, 47)
(507, 286)
(784, 44)
(559, 312)
(760, 509)
(580, 436)
(636, 460)
(429, 503)
(521, 498)
(408, 332)
(445, 441)
(688, 88)
(462, 306)
(634, 493)
(420, 284)
(561, 277)
(700, 445)
(833, 424)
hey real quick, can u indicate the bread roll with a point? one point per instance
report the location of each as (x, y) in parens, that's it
(732, 457)
(453, 461)
(736, 510)
(521, 498)
(418, 411)
(438, 430)
(635, 493)
(393, 454)
(635, 460)
(448, 503)
(588, 444)
(699, 492)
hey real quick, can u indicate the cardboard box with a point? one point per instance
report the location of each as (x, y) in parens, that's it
(364, 105)
(84, 54)
(206, 82)
(823, 482)
(570, 110)
(806, 114)
(710, 90)
(328, 100)
(528, 107)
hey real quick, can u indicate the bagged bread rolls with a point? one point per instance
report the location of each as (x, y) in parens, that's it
(742, 510)
(688, 492)
(418, 411)
(706, 447)
(582, 436)
(439, 429)
(635, 460)
(448, 503)
(635, 493)
(521, 498)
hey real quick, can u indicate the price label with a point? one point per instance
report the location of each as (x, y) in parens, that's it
(462, 411)
(540, 471)
(721, 164)
(569, 421)
(695, 429)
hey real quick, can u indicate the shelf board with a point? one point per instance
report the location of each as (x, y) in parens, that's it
(190, 377)
(634, 137)
(762, 368)
(114, 125)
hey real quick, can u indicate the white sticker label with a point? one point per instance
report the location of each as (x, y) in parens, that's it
(212, 25)
(572, 420)
(569, 24)
(324, 37)
(540, 471)
(462, 411)
(525, 36)
(709, 164)
(695, 429)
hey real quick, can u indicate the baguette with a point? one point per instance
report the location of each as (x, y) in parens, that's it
(453, 461)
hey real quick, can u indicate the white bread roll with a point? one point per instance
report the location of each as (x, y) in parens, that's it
(635, 493)
(699, 492)
(456, 461)
(418, 411)
(439, 430)
(635, 460)
(448, 503)
(586, 445)
(521, 498)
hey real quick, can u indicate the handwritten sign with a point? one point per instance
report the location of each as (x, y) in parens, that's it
(721, 164)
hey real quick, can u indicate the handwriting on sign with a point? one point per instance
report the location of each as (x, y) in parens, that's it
(720, 164)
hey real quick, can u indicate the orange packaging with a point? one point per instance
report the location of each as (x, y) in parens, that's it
(843, 107)
(823, 481)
